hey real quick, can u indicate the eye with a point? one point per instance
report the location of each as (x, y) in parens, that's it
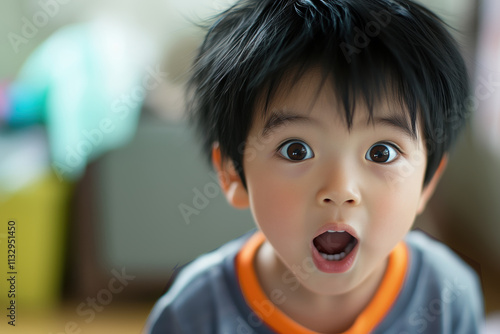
(296, 150)
(381, 153)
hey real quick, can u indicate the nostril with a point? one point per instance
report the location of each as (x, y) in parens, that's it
(349, 201)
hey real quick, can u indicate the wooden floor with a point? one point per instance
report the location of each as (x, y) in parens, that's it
(123, 319)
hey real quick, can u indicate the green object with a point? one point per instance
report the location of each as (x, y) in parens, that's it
(86, 85)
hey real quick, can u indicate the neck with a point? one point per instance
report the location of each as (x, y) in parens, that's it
(317, 315)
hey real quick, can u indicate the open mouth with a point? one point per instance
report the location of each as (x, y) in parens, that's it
(334, 245)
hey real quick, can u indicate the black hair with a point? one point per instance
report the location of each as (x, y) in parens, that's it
(368, 48)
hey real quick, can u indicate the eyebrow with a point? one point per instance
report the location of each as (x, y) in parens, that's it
(399, 123)
(281, 118)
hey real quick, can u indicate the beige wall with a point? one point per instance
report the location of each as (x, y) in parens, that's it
(166, 21)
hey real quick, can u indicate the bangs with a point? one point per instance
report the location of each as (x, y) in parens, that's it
(353, 87)
(369, 50)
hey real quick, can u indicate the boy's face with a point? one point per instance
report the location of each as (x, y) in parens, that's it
(307, 174)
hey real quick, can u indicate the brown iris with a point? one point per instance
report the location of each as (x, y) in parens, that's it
(296, 151)
(379, 153)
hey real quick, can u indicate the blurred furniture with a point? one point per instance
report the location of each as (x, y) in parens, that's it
(33, 197)
(128, 212)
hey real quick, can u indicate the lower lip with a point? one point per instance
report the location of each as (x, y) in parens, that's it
(334, 267)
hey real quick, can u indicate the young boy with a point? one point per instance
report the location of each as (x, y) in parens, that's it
(331, 120)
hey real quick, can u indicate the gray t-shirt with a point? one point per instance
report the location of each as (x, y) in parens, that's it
(440, 294)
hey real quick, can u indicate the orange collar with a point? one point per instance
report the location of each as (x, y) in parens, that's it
(371, 316)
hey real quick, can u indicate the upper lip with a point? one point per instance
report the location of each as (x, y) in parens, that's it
(336, 227)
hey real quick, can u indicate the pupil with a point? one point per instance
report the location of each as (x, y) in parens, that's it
(296, 151)
(379, 153)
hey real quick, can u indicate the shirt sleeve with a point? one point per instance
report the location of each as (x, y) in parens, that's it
(468, 311)
(446, 295)
(163, 322)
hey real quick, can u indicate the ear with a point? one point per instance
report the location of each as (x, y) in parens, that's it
(431, 186)
(229, 180)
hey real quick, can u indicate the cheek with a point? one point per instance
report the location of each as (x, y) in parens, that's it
(394, 210)
(277, 203)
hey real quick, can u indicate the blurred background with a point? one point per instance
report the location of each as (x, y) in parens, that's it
(104, 181)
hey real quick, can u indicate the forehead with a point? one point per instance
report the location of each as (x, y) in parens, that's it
(302, 93)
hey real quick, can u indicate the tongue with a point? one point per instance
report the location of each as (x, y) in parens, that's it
(332, 243)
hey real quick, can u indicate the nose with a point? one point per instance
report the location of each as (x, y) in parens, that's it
(339, 186)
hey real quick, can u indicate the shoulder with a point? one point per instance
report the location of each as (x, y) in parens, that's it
(203, 287)
(435, 261)
(441, 293)
(436, 256)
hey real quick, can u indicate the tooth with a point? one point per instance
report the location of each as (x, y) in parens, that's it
(324, 256)
(342, 255)
(336, 257)
(341, 231)
(331, 231)
(331, 257)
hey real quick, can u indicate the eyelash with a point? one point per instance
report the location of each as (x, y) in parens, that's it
(392, 145)
(396, 147)
(290, 141)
